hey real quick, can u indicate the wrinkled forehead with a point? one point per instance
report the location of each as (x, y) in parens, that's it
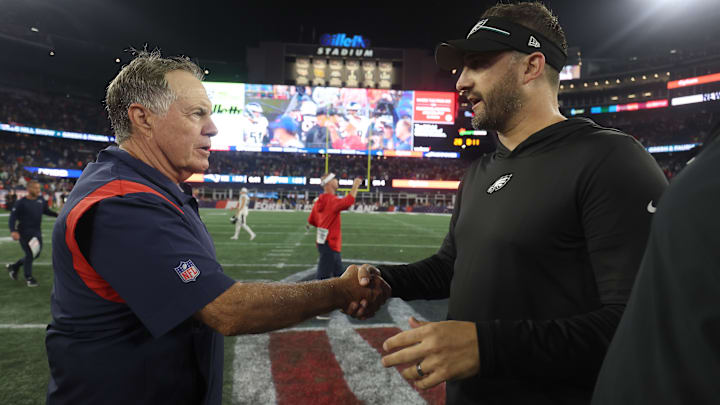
(187, 87)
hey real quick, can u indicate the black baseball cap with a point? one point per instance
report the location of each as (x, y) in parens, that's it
(498, 34)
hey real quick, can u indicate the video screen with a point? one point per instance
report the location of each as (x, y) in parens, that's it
(570, 72)
(308, 119)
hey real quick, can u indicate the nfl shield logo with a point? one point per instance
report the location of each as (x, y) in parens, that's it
(187, 271)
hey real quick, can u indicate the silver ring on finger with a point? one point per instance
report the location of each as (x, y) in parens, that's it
(419, 370)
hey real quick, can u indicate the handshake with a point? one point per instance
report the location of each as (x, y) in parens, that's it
(364, 291)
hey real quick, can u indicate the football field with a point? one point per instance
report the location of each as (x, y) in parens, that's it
(318, 362)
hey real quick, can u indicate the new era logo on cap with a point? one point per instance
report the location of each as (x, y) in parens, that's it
(533, 42)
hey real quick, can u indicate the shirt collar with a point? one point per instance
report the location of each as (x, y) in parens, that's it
(182, 192)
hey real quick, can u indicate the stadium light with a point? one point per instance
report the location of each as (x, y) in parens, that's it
(617, 81)
(596, 84)
(562, 86)
(607, 81)
(207, 72)
(34, 29)
(52, 53)
(585, 84)
(632, 79)
(644, 77)
(117, 60)
(572, 86)
(657, 75)
(631, 96)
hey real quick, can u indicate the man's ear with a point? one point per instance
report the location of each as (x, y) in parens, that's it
(534, 67)
(141, 119)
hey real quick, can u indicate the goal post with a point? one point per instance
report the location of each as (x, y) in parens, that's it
(327, 166)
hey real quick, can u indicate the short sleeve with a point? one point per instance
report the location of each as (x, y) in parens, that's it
(155, 259)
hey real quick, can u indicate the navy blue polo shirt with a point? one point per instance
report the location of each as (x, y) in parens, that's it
(132, 263)
(26, 216)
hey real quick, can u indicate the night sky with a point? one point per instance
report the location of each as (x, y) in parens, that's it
(222, 30)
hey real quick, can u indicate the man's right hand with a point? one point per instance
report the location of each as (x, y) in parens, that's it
(15, 235)
(367, 277)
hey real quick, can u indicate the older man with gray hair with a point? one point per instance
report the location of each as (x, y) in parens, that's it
(140, 302)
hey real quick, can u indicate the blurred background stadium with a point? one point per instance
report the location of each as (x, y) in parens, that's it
(299, 90)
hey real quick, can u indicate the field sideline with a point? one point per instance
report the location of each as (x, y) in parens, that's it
(258, 368)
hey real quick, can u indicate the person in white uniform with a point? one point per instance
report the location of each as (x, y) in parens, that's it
(240, 218)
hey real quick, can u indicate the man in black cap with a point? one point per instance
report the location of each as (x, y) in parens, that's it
(546, 236)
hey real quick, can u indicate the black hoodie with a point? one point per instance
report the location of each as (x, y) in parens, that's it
(543, 247)
(667, 347)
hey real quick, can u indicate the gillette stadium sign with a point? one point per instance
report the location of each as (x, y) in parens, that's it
(343, 45)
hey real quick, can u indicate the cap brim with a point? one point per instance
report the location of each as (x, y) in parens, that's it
(449, 55)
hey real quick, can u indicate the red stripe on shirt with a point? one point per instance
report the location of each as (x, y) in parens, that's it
(305, 370)
(83, 268)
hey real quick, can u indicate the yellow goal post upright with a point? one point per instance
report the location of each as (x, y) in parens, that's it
(327, 166)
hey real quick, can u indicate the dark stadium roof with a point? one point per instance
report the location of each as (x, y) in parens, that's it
(221, 30)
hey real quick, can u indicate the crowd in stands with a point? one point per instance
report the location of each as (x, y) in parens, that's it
(657, 127)
(60, 112)
(688, 124)
(18, 151)
(345, 166)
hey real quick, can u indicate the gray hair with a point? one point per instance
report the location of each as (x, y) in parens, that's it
(143, 81)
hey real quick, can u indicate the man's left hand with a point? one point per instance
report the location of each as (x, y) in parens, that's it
(444, 350)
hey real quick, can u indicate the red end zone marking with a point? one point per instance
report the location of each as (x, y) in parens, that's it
(376, 336)
(305, 370)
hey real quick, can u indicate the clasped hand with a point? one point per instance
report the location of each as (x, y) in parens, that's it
(372, 289)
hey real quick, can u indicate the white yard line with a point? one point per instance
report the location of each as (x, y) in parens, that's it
(400, 312)
(370, 261)
(387, 245)
(265, 265)
(252, 371)
(23, 326)
(364, 373)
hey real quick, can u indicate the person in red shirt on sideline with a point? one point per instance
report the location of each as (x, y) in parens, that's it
(325, 216)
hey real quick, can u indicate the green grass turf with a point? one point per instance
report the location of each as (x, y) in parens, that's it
(282, 247)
